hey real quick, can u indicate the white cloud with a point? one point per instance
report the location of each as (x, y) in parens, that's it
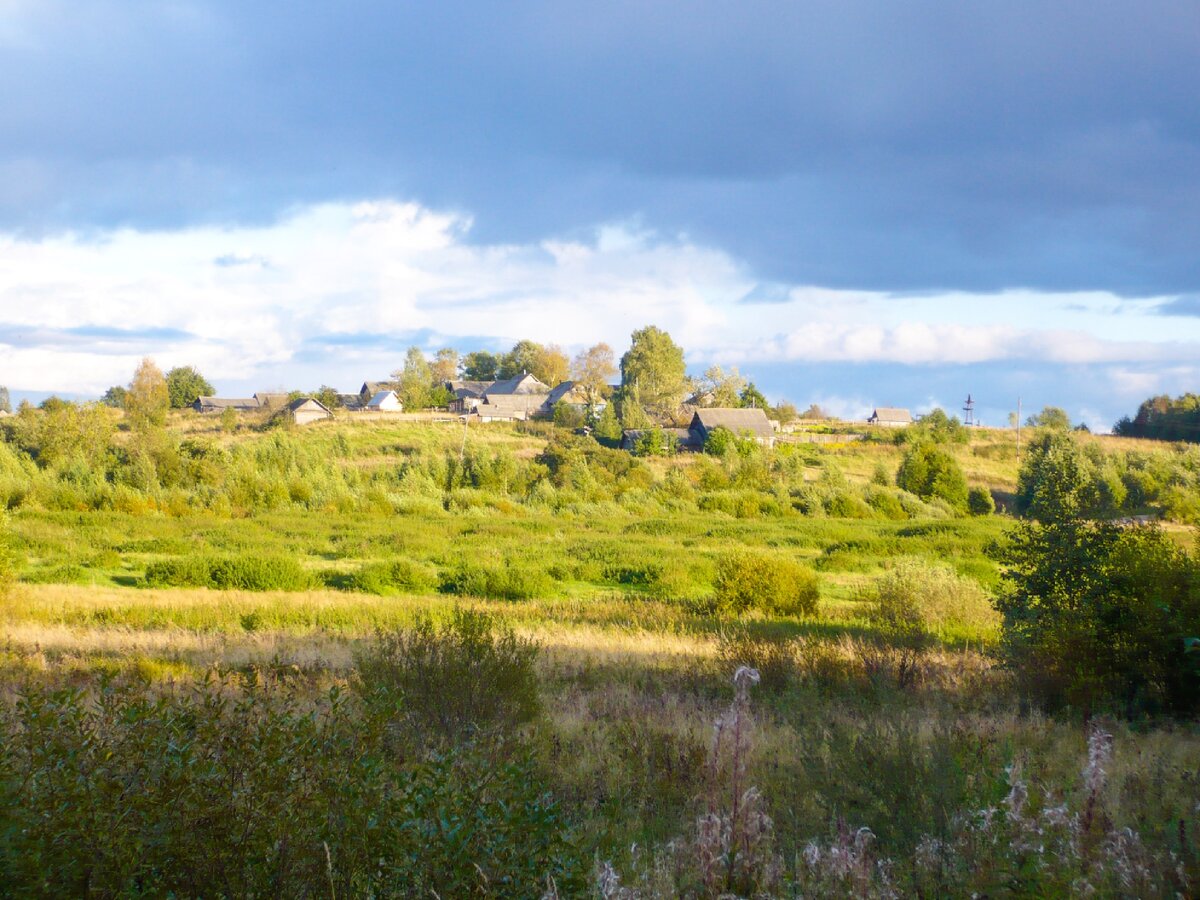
(333, 293)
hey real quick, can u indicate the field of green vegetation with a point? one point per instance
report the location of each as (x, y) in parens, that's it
(421, 659)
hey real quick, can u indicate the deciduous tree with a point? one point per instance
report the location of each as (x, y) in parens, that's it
(655, 364)
(592, 370)
(185, 384)
(445, 365)
(481, 366)
(147, 400)
(414, 380)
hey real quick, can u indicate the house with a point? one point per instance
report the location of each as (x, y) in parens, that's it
(753, 422)
(220, 404)
(567, 392)
(352, 402)
(371, 388)
(305, 410)
(513, 399)
(467, 394)
(890, 415)
(385, 401)
(271, 400)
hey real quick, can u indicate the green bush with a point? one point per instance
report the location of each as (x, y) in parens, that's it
(980, 502)
(249, 788)
(1099, 616)
(394, 576)
(933, 474)
(746, 580)
(470, 675)
(914, 598)
(246, 572)
(508, 581)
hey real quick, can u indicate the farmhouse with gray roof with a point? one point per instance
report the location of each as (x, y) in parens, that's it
(740, 421)
(890, 415)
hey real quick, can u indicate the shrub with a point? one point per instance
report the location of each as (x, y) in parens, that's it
(980, 502)
(507, 581)
(1098, 616)
(747, 580)
(472, 674)
(393, 576)
(914, 599)
(932, 473)
(249, 788)
(247, 572)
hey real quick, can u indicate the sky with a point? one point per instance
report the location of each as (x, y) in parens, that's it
(856, 203)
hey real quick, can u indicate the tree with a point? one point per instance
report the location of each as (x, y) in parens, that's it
(445, 366)
(654, 364)
(1056, 482)
(786, 412)
(720, 388)
(147, 400)
(935, 427)
(481, 366)
(814, 412)
(414, 380)
(630, 411)
(752, 398)
(591, 370)
(328, 397)
(5, 400)
(1164, 418)
(1101, 616)
(1050, 417)
(608, 426)
(931, 473)
(522, 358)
(184, 385)
(115, 396)
(550, 365)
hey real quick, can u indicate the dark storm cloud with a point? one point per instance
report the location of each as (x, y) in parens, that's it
(1187, 305)
(867, 144)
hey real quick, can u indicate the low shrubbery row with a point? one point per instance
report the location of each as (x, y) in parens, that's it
(244, 786)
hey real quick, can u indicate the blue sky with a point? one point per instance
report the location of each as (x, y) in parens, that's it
(857, 203)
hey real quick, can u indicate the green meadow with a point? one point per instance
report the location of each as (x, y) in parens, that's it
(331, 598)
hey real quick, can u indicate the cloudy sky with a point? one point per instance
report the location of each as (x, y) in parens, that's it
(857, 202)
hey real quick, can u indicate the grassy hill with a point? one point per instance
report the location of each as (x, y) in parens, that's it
(284, 556)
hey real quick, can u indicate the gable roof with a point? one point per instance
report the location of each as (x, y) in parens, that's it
(382, 399)
(371, 388)
(465, 389)
(225, 403)
(269, 398)
(563, 391)
(736, 420)
(890, 414)
(521, 384)
(301, 402)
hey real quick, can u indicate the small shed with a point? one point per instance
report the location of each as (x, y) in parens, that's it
(890, 415)
(385, 401)
(306, 410)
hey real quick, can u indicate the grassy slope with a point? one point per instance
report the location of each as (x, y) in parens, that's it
(632, 683)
